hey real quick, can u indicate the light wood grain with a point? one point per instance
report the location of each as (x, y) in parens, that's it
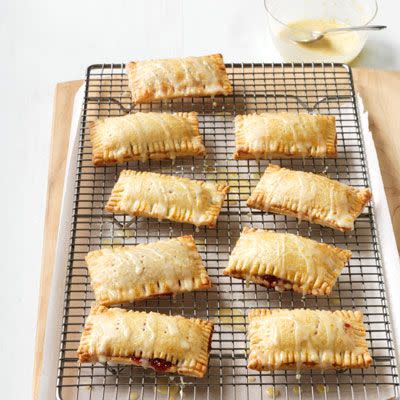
(381, 94)
(380, 91)
(62, 113)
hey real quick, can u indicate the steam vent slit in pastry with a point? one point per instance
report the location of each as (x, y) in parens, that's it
(310, 197)
(125, 274)
(180, 77)
(300, 339)
(162, 342)
(283, 135)
(148, 194)
(143, 136)
(283, 261)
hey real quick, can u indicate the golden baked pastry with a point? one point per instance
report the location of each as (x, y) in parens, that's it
(309, 196)
(286, 262)
(298, 339)
(125, 274)
(179, 77)
(284, 134)
(162, 342)
(148, 194)
(143, 136)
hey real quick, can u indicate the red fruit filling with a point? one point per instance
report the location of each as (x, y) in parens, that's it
(273, 280)
(157, 364)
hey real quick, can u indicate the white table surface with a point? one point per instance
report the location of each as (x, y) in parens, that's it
(47, 41)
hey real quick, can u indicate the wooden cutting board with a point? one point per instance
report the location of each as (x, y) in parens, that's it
(379, 89)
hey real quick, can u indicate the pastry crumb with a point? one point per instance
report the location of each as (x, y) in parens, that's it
(106, 242)
(234, 176)
(335, 302)
(227, 315)
(272, 392)
(129, 233)
(244, 196)
(134, 395)
(322, 388)
(172, 390)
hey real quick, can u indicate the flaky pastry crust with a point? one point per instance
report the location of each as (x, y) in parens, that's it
(302, 338)
(284, 135)
(143, 136)
(179, 77)
(130, 273)
(165, 343)
(309, 196)
(284, 261)
(149, 194)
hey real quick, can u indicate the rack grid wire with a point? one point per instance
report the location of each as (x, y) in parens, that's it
(321, 88)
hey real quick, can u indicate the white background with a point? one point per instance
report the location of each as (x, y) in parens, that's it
(47, 41)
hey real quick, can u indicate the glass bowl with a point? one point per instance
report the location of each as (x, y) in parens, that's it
(288, 19)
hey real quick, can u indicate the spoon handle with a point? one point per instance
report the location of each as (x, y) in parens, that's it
(357, 28)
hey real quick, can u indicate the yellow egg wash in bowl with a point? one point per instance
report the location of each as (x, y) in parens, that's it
(344, 46)
(290, 20)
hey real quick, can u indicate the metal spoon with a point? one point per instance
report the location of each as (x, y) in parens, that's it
(313, 36)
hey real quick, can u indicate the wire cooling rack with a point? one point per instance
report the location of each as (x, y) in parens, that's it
(322, 88)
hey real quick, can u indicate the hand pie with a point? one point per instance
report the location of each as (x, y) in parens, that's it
(181, 77)
(148, 194)
(143, 136)
(162, 342)
(284, 134)
(130, 273)
(309, 196)
(298, 339)
(284, 261)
